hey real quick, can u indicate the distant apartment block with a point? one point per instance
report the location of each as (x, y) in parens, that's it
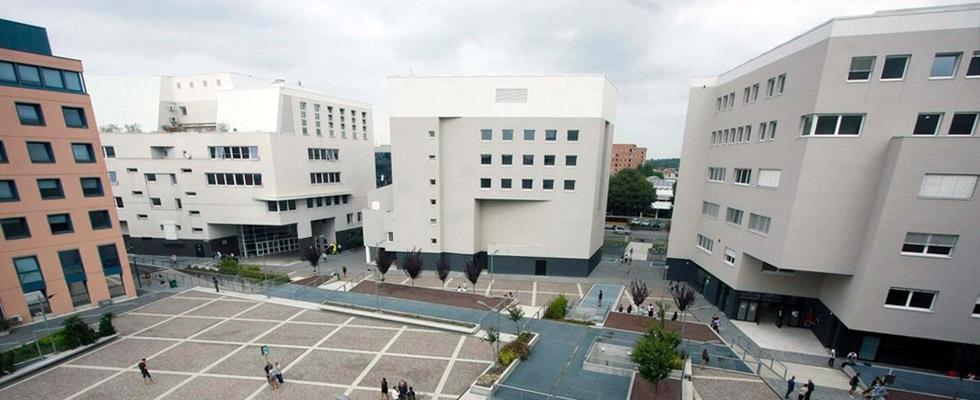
(832, 181)
(61, 249)
(626, 156)
(382, 165)
(494, 166)
(229, 163)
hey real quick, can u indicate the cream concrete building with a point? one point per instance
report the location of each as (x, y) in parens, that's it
(233, 163)
(514, 167)
(831, 183)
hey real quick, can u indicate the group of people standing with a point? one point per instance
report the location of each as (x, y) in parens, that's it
(650, 311)
(273, 374)
(805, 391)
(403, 391)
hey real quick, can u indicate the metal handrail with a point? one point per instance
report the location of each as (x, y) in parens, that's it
(357, 279)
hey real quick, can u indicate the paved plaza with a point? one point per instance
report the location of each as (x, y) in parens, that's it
(200, 344)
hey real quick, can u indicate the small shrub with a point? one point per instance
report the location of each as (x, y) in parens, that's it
(105, 325)
(507, 356)
(77, 333)
(7, 362)
(556, 307)
(487, 380)
(4, 324)
(525, 337)
(514, 350)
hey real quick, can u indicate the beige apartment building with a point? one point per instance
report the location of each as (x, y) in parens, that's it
(61, 248)
(626, 156)
(830, 183)
(514, 168)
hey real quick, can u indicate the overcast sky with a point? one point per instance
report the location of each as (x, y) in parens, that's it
(649, 49)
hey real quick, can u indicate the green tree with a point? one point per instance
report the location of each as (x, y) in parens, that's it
(629, 193)
(656, 354)
(514, 314)
(665, 163)
(77, 332)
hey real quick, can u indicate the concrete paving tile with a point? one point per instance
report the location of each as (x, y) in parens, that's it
(197, 294)
(729, 389)
(376, 322)
(273, 312)
(171, 306)
(353, 338)
(204, 387)
(51, 385)
(299, 391)
(297, 334)
(560, 287)
(249, 361)
(130, 385)
(545, 298)
(462, 375)
(237, 331)
(422, 374)
(179, 328)
(222, 308)
(330, 367)
(191, 356)
(122, 353)
(325, 317)
(429, 281)
(127, 324)
(503, 284)
(361, 394)
(475, 348)
(425, 344)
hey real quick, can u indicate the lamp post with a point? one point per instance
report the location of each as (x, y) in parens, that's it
(490, 292)
(45, 316)
(377, 299)
(496, 310)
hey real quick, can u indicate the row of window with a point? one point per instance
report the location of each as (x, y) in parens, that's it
(16, 74)
(527, 160)
(204, 83)
(343, 121)
(290, 205)
(757, 223)
(743, 134)
(50, 188)
(324, 177)
(526, 184)
(944, 66)
(18, 228)
(232, 152)
(323, 154)
(32, 279)
(743, 176)
(507, 135)
(43, 153)
(962, 123)
(774, 87)
(30, 114)
(233, 179)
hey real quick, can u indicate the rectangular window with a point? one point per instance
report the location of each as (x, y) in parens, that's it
(716, 174)
(30, 114)
(529, 135)
(772, 130)
(350, 218)
(74, 117)
(781, 84)
(15, 228)
(505, 183)
(507, 135)
(484, 183)
(100, 219)
(730, 256)
(743, 176)
(759, 223)
(830, 125)
(748, 133)
(486, 159)
(963, 124)
(150, 177)
(571, 161)
(142, 216)
(29, 272)
(155, 202)
(973, 70)
(29, 75)
(769, 178)
(83, 152)
(569, 185)
(718, 104)
(528, 159)
(929, 244)
(60, 223)
(944, 65)
(7, 73)
(92, 187)
(3, 154)
(506, 159)
(755, 92)
(705, 243)
(52, 78)
(137, 193)
(746, 95)
(894, 69)
(232, 179)
(8, 191)
(861, 68)
(771, 87)
(709, 209)
(302, 116)
(976, 309)
(486, 134)
(548, 184)
(550, 135)
(109, 151)
(40, 152)
(71, 265)
(762, 131)
(50, 189)
(233, 152)
(549, 160)
(119, 202)
(912, 299)
(110, 258)
(527, 184)
(927, 124)
(573, 135)
(733, 216)
(948, 186)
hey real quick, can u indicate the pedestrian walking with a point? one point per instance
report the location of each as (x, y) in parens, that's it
(145, 372)
(268, 374)
(600, 298)
(879, 393)
(704, 358)
(833, 358)
(629, 308)
(279, 374)
(345, 271)
(674, 318)
(803, 393)
(620, 308)
(809, 389)
(215, 280)
(790, 385)
(854, 384)
(274, 374)
(402, 389)
(384, 389)
(411, 393)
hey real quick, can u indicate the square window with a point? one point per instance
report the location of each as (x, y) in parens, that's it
(484, 183)
(119, 202)
(83, 152)
(550, 135)
(730, 256)
(50, 189)
(573, 135)
(73, 81)
(8, 191)
(7, 73)
(505, 183)
(15, 228)
(527, 184)
(486, 135)
(571, 161)
(528, 159)
(74, 117)
(109, 151)
(432, 202)
(734, 216)
(486, 159)
(927, 124)
(507, 159)
(861, 68)
(894, 68)
(433, 240)
(973, 70)
(30, 114)
(92, 187)
(569, 184)
(963, 124)
(29, 75)
(432, 182)
(40, 152)
(507, 135)
(549, 160)
(52, 78)
(944, 65)
(155, 202)
(60, 223)
(529, 135)
(548, 184)
(743, 176)
(432, 134)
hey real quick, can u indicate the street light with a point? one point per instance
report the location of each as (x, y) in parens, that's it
(45, 316)
(496, 310)
(490, 292)
(377, 299)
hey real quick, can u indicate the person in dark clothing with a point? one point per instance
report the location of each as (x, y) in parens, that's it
(674, 318)
(402, 389)
(854, 384)
(629, 308)
(145, 371)
(384, 389)
(600, 298)
(809, 389)
(215, 280)
(790, 385)
(411, 393)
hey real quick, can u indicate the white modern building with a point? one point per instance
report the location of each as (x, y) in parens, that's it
(230, 163)
(830, 183)
(516, 168)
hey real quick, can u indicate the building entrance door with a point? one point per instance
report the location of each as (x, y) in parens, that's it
(748, 310)
(869, 348)
(540, 267)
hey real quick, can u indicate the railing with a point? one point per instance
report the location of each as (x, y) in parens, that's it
(773, 368)
(511, 392)
(353, 282)
(167, 263)
(146, 277)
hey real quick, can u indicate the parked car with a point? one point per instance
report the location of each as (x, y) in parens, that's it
(645, 223)
(636, 221)
(619, 230)
(656, 225)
